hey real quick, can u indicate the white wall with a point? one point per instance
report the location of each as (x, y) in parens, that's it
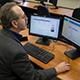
(67, 3)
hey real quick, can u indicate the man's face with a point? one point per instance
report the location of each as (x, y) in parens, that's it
(21, 23)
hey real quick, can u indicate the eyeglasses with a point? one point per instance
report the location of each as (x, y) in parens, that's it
(24, 17)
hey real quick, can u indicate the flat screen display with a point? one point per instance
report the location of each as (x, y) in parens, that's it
(45, 26)
(71, 32)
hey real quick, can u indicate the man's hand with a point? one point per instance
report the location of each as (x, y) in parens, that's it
(62, 67)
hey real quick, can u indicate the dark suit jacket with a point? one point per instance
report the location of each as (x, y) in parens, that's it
(15, 63)
(2, 2)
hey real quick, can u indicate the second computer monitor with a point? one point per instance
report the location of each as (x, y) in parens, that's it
(71, 33)
(45, 27)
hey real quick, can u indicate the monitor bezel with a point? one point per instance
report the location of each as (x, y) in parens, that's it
(60, 27)
(70, 42)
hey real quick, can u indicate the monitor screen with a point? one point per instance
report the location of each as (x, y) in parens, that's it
(45, 27)
(71, 32)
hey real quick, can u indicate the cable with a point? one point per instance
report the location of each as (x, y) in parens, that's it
(47, 48)
(66, 45)
(56, 42)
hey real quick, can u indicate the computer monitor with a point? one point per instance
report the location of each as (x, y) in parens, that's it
(54, 2)
(71, 33)
(41, 1)
(45, 27)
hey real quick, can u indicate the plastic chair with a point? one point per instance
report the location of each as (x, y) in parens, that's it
(43, 10)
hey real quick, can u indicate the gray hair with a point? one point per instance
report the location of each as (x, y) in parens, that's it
(7, 15)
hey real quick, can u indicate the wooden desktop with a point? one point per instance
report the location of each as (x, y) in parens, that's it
(57, 49)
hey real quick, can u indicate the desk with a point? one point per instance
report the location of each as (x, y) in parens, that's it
(60, 11)
(58, 51)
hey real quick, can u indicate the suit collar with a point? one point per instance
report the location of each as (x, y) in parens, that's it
(19, 36)
(9, 34)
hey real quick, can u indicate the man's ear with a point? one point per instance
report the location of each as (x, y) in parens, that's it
(14, 23)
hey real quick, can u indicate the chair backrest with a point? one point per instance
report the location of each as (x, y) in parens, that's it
(76, 13)
(43, 10)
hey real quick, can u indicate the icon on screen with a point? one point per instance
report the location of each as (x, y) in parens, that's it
(52, 28)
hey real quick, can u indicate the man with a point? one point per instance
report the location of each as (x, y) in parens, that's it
(14, 61)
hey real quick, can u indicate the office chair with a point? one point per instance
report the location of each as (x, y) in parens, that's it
(43, 10)
(76, 13)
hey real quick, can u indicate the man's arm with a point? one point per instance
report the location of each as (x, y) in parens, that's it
(22, 66)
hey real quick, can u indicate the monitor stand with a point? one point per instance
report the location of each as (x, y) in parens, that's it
(43, 41)
(41, 3)
(73, 54)
(55, 7)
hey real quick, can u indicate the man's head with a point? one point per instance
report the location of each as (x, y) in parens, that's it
(12, 16)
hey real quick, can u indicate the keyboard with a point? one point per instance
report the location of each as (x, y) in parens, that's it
(38, 53)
